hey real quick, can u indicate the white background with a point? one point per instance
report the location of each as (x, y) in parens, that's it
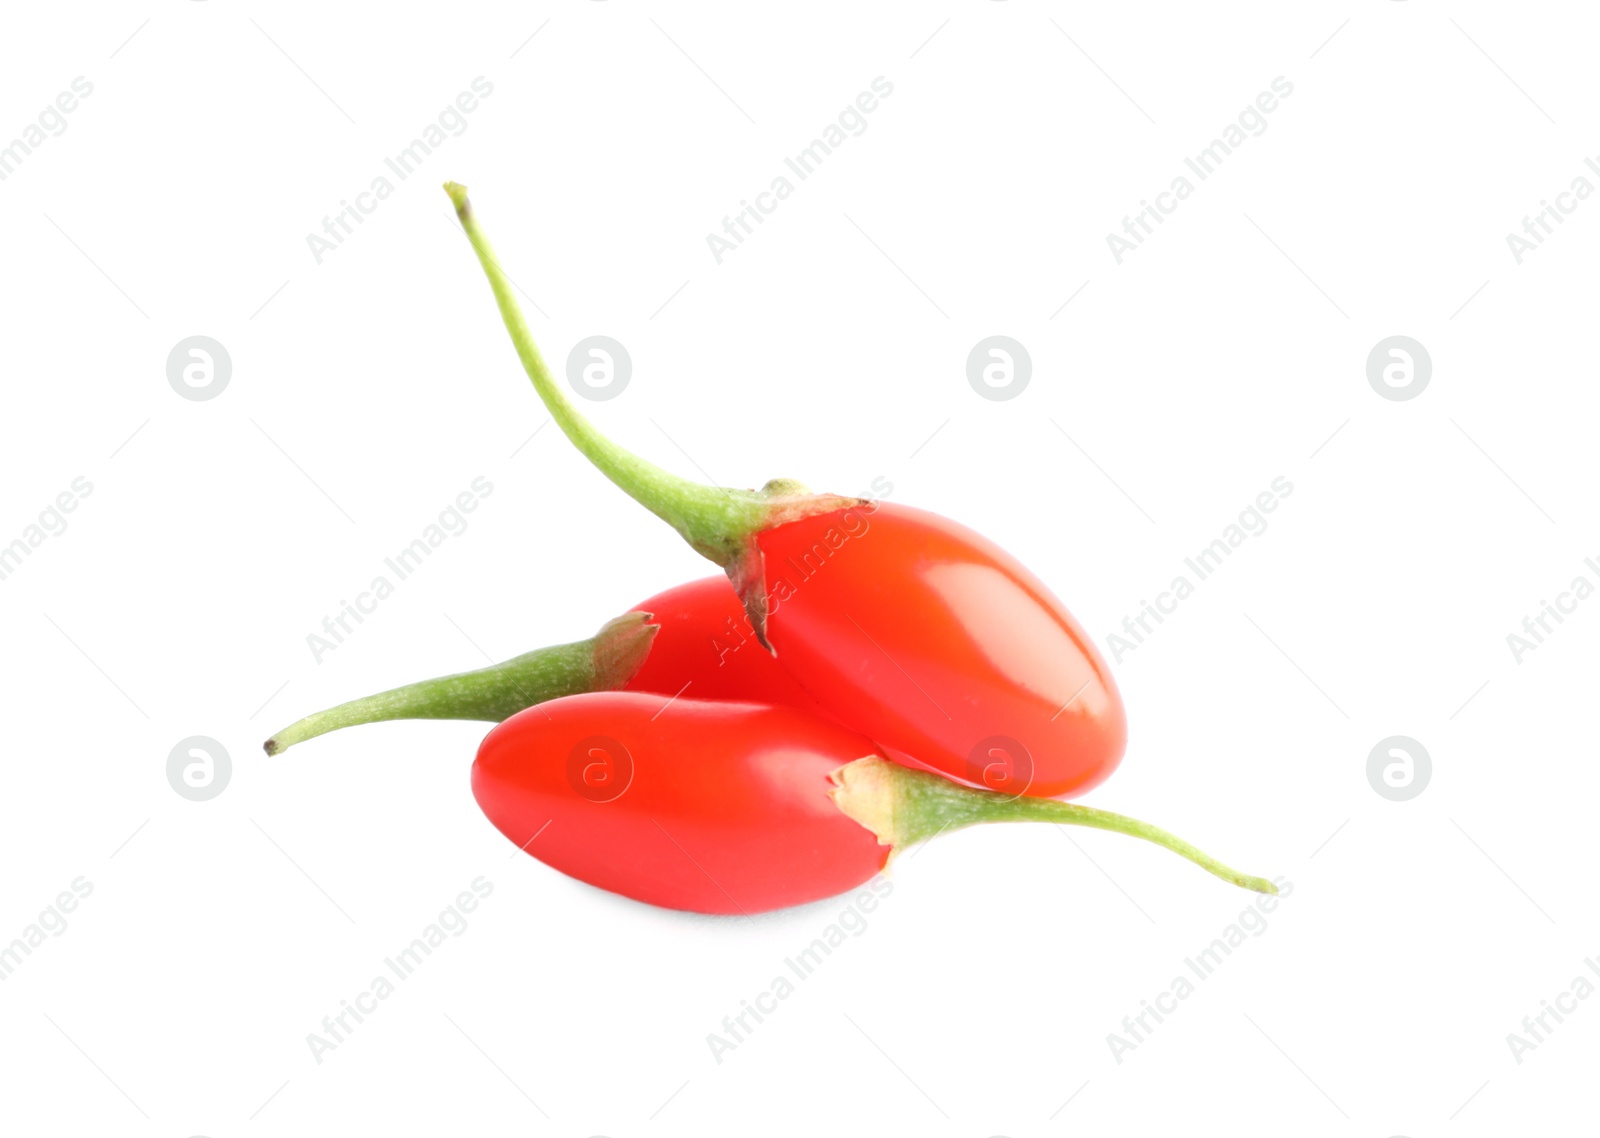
(368, 390)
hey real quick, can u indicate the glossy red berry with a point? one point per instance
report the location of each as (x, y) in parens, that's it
(938, 644)
(713, 807)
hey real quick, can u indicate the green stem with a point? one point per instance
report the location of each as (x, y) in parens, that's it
(716, 522)
(604, 662)
(904, 806)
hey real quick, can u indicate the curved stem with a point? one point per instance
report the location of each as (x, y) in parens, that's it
(904, 806)
(1072, 814)
(716, 522)
(604, 662)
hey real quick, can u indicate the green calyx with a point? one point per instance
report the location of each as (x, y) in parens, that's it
(903, 806)
(604, 662)
(720, 524)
